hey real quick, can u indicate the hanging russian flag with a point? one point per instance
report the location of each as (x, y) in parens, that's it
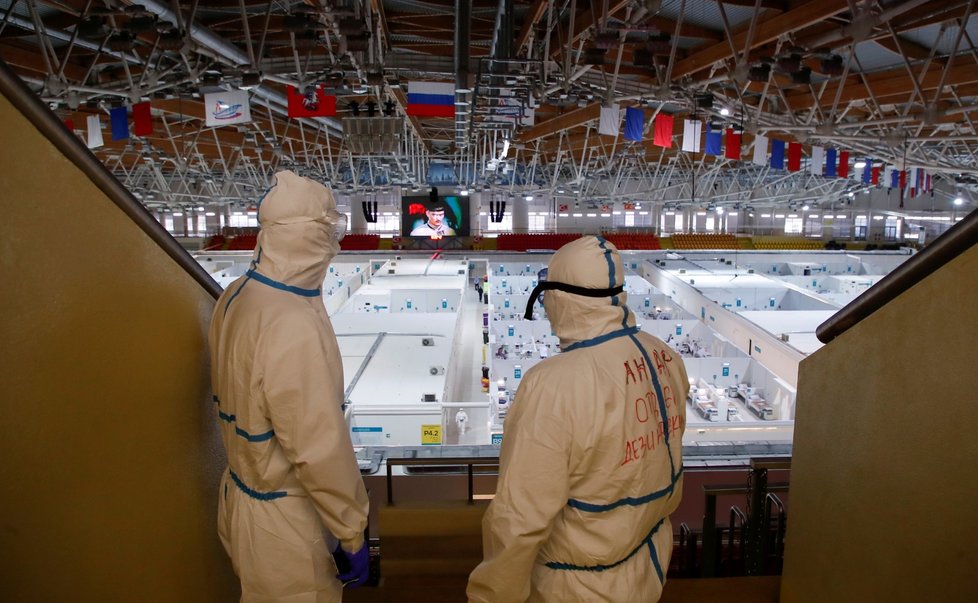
(714, 140)
(142, 120)
(692, 129)
(314, 103)
(794, 156)
(818, 158)
(843, 164)
(635, 124)
(663, 131)
(777, 154)
(830, 163)
(760, 150)
(733, 144)
(119, 117)
(431, 99)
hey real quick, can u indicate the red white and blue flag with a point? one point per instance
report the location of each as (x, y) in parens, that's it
(431, 99)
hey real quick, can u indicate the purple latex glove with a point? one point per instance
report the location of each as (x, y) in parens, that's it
(354, 568)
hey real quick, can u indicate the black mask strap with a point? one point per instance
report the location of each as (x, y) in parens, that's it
(547, 285)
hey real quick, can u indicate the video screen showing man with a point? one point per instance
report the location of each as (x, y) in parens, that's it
(438, 221)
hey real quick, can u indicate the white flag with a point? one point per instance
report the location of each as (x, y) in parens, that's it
(610, 120)
(226, 108)
(760, 149)
(692, 131)
(818, 161)
(94, 132)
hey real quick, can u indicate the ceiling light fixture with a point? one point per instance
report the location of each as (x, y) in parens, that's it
(958, 201)
(724, 111)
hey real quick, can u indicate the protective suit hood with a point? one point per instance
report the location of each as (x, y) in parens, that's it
(296, 242)
(593, 263)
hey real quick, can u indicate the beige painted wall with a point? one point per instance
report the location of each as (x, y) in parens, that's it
(884, 485)
(110, 455)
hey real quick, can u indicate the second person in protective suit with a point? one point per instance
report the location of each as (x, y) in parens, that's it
(292, 488)
(591, 459)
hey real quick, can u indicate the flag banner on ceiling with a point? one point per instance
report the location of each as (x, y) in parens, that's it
(692, 130)
(610, 120)
(876, 176)
(635, 124)
(777, 154)
(227, 108)
(794, 156)
(142, 120)
(714, 140)
(867, 171)
(903, 179)
(431, 99)
(119, 118)
(312, 102)
(663, 131)
(733, 144)
(70, 124)
(94, 129)
(912, 178)
(894, 178)
(818, 160)
(830, 158)
(760, 150)
(843, 164)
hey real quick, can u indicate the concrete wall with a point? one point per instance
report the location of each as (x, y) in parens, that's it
(884, 479)
(111, 458)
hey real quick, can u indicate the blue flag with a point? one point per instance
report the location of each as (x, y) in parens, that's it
(120, 123)
(714, 140)
(634, 123)
(830, 163)
(868, 170)
(895, 178)
(777, 154)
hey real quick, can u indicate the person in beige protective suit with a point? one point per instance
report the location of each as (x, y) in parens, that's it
(591, 459)
(292, 487)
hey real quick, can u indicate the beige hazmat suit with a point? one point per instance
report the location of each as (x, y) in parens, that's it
(591, 459)
(278, 388)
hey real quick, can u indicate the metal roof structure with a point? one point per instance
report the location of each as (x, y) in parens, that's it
(895, 82)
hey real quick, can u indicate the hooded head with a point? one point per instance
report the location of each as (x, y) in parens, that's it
(297, 241)
(591, 263)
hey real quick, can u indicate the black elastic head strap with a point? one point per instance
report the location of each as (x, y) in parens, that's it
(574, 289)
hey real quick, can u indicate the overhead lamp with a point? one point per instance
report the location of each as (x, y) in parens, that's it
(249, 80)
(201, 208)
(719, 210)
(804, 207)
(464, 192)
(724, 111)
(958, 201)
(529, 197)
(860, 164)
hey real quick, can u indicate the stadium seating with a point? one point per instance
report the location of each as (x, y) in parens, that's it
(787, 243)
(625, 241)
(215, 243)
(360, 242)
(522, 242)
(705, 241)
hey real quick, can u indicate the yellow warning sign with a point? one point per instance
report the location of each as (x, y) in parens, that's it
(430, 435)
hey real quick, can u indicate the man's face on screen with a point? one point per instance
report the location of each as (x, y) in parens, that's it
(435, 217)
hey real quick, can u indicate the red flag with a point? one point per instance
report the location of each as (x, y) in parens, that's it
(843, 164)
(903, 178)
(663, 131)
(142, 120)
(794, 156)
(733, 145)
(876, 176)
(315, 103)
(70, 125)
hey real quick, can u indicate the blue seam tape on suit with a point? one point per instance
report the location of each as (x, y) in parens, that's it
(662, 402)
(600, 568)
(602, 338)
(627, 501)
(261, 437)
(255, 493)
(261, 278)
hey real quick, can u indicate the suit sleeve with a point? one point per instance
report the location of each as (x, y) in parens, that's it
(303, 402)
(533, 488)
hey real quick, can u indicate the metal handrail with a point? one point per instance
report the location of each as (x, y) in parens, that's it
(48, 124)
(956, 240)
(773, 500)
(735, 514)
(468, 461)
